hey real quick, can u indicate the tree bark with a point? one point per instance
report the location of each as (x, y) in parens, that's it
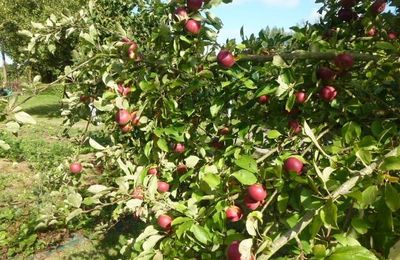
(3, 56)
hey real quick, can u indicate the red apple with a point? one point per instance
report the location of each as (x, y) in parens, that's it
(328, 93)
(126, 128)
(301, 97)
(84, 99)
(194, 5)
(233, 251)
(164, 221)
(348, 3)
(75, 167)
(372, 32)
(234, 213)
(224, 131)
(163, 187)
(226, 59)
(392, 36)
(263, 99)
(179, 148)
(295, 126)
(257, 192)
(292, 164)
(136, 120)
(251, 203)
(344, 61)
(181, 12)
(217, 144)
(138, 193)
(132, 50)
(326, 73)
(347, 14)
(124, 90)
(193, 26)
(122, 117)
(181, 169)
(126, 40)
(378, 6)
(153, 171)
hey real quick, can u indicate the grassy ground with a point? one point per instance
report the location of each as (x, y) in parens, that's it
(37, 149)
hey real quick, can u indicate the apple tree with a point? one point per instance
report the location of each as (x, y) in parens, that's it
(283, 145)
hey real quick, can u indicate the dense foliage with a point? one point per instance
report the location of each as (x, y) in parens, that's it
(290, 149)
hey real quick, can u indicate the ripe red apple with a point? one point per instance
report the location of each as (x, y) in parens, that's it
(224, 131)
(328, 93)
(126, 128)
(75, 167)
(126, 40)
(138, 193)
(179, 148)
(347, 15)
(193, 26)
(153, 171)
(226, 59)
(234, 213)
(181, 169)
(217, 144)
(392, 36)
(164, 221)
(194, 5)
(372, 32)
(163, 187)
(292, 164)
(378, 6)
(257, 192)
(301, 97)
(181, 12)
(124, 90)
(122, 117)
(326, 73)
(263, 99)
(136, 120)
(344, 61)
(348, 3)
(295, 126)
(251, 203)
(233, 251)
(132, 50)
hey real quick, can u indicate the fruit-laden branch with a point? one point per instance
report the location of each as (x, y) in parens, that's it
(344, 189)
(304, 55)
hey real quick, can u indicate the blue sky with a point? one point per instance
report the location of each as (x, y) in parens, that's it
(255, 15)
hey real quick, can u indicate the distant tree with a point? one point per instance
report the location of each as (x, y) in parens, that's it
(17, 15)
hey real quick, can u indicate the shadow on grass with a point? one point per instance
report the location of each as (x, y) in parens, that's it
(50, 110)
(109, 247)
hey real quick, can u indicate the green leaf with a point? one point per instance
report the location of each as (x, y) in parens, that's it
(147, 148)
(24, 118)
(245, 177)
(352, 253)
(369, 195)
(273, 134)
(4, 145)
(360, 225)
(252, 222)
(214, 109)
(151, 242)
(395, 251)
(12, 127)
(163, 145)
(350, 132)
(365, 156)
(328, 214)
(74, 199)
(95, 144)
(212, 180)
(392, 198)
(310, 134)
(201, 234)
(391, 163)
(385, 46)
(73, 214)
(191, 161)
(97, 188)
(279, 62)
(248, 163)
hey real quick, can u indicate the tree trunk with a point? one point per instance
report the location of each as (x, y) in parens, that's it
(3, 56)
